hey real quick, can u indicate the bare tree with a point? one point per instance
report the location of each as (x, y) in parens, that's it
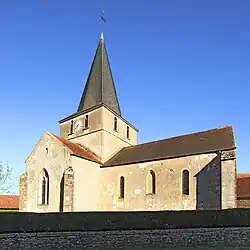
(5, 178)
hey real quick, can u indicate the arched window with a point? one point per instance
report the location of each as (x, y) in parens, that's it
(122, 180)
(115, 124)
(86, 124)
(150, 183)
(128, 132)
(44, 187)
(185, 182)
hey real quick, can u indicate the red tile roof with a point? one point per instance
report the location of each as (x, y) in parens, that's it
(9, 202)
(79, 150)
(243, 175)
(243, 185)
(209, 141)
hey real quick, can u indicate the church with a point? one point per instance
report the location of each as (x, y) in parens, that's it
(96, 163)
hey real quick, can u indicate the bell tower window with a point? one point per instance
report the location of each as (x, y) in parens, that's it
(115, 124)
(128, 132)
(86, 122)
(71, 127)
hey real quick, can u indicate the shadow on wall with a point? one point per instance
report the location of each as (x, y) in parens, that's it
(208, 189)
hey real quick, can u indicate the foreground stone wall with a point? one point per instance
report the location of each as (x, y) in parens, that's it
(198, 238)
(200, 229)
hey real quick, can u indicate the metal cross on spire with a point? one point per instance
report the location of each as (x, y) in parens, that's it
(103, 20)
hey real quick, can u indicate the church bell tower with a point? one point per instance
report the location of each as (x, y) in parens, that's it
(98, 124)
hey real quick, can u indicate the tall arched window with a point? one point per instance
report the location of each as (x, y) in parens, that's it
(122, 180)
(115, 124)
(150, 183)
(44, 187)
(185, 182)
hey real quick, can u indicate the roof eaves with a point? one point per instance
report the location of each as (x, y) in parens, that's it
(166, 157)
(72, 116)
(80, 113)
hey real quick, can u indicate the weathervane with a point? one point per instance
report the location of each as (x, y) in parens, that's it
(103, 20)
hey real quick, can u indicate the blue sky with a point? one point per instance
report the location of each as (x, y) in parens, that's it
(179, 66)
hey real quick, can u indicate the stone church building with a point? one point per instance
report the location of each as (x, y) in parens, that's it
(96, 163)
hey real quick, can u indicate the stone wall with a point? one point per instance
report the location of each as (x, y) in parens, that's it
(23, 199)
(228, 179)
(218, 229)
(68, 191)
(204, 185)
(51, 156)
(199, 238)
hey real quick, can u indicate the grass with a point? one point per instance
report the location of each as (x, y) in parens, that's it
(8, 211)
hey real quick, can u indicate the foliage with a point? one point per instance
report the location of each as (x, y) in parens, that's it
(5, 178)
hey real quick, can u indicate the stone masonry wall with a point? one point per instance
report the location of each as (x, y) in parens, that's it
(23, 193)
(197, 238)
(52, 156)
(204, 185)
(228, 179)
(69, 190)
(198, 229)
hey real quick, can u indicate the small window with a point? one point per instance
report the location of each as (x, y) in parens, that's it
(185, 182)
(121, 188)
(115, 124)
(47, 150)
(86, 124)
(128, 132)
(150, 183)
(71, 127)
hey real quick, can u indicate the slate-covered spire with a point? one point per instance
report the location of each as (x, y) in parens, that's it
(100, 87)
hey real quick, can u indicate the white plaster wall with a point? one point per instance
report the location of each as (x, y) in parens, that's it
(86, 184)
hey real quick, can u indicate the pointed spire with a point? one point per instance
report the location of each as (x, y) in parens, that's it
(102, 37)
(100, 87)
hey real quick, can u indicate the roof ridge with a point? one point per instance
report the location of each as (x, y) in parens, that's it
(178, 136)
(208, 141)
